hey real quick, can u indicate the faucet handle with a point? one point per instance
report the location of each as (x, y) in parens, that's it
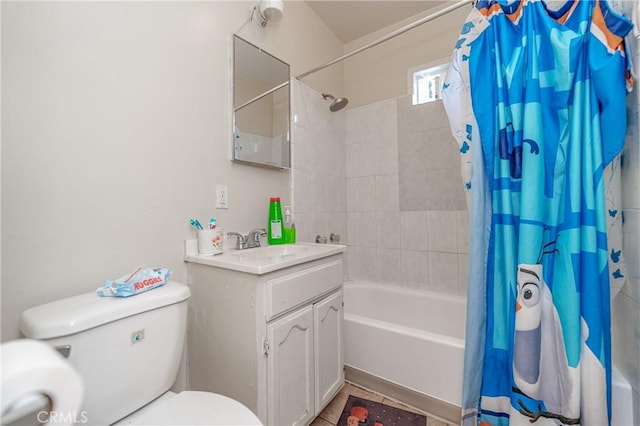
(256, 233)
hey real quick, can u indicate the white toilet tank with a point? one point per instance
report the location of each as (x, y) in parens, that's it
(127, 350)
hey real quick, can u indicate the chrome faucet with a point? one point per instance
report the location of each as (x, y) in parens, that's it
(253, 237)
(251, 240)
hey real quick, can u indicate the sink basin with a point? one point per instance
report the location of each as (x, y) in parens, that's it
(270, 253)
(261, 260)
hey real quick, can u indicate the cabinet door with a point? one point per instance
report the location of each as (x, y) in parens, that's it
(290, 373)
(329, 360)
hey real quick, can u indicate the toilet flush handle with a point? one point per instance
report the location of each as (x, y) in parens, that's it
(65, 350)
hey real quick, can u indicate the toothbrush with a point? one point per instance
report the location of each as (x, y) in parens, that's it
(195, 223)
(212, 223)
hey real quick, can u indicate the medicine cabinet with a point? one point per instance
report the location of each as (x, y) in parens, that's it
(261, 107)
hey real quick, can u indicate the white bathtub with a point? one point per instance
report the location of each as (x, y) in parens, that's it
(407, 337)
(415, 340)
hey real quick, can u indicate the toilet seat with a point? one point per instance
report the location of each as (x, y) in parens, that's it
(193, 408)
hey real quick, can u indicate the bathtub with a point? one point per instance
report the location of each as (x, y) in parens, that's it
(410, 339)
(409, 344)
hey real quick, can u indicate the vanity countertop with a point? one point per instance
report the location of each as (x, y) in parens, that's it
(262, 260)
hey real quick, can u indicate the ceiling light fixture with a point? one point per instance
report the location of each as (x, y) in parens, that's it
(268, 11)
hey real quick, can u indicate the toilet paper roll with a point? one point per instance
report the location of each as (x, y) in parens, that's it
(31, 368)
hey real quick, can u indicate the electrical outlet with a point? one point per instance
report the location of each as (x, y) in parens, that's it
(222, 197)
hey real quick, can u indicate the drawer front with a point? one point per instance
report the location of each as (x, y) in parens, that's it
(287, 292)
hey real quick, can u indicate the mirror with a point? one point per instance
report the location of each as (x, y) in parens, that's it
(261, 107)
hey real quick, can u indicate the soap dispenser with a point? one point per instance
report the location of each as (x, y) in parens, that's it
(289, 226)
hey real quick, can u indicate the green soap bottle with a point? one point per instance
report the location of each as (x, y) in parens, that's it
(275, 231)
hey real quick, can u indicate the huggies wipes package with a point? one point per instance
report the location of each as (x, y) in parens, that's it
(137, 282)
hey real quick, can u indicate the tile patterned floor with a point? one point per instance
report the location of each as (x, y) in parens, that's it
(331, 414)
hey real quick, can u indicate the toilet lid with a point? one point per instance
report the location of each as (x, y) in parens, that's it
(197, 408)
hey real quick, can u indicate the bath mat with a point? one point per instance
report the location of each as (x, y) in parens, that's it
(362, 412)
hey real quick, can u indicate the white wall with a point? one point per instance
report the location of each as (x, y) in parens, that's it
(380, 73)
(116, 129)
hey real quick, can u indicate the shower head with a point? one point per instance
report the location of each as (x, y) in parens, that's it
(337, 104)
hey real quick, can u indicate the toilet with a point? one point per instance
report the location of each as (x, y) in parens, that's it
(128, 352)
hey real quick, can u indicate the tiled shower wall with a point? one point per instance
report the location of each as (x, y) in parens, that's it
(318, 166)
(386, 177)
(406, 211)
(626, 305)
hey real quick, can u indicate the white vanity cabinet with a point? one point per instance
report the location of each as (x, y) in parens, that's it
(305, 366)
(273, 341)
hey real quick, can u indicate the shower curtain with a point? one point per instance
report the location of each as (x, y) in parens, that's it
(536, 100)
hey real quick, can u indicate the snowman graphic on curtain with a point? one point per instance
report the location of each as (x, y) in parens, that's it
(544, 390)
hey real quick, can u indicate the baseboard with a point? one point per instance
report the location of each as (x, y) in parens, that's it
(428, 404)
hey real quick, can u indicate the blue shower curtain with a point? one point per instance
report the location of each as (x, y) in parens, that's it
(536, 100)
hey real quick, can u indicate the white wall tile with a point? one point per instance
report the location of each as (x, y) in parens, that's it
(441, 231)
(390, 266)
(388, 234)
(300, 183)
(403, 240)
(443, 272)
(387, 193)
(355, 159)
(626, 337)
(463, 231)
(413, 230)
(300, 148)
(362, 229)
(463, 273)
(384, 119)
(386, 156)
(444, 190)
(309, 225)
(415, 269)
(361, 194)
(374, 120)
(413, 156)
(363, 263)
(318, 172)
(355, 130)
(443, 149)
(304, 231)
(370, 157)
(317, 190)
(338, 128)
(339, 159)
(337, 194)
(299, 114)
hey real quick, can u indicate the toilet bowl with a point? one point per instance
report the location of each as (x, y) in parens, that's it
(128, 352)
(192, 408)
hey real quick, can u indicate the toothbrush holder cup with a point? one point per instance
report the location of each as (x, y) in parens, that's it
(210, 241)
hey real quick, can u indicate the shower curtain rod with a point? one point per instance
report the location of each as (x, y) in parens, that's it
(395, 33)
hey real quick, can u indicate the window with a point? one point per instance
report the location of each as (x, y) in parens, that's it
(426, 82)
